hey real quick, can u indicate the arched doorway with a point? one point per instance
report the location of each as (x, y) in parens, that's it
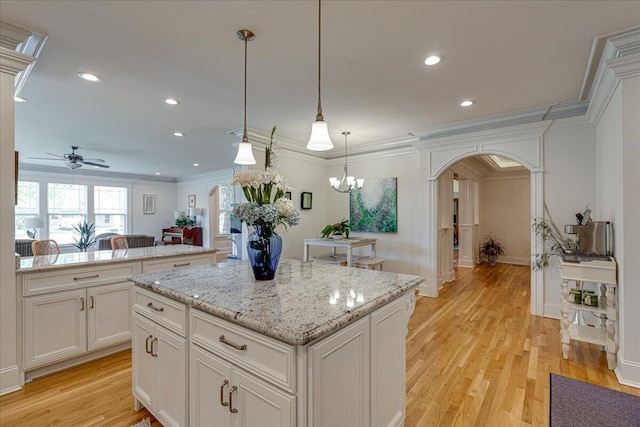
(522, 143)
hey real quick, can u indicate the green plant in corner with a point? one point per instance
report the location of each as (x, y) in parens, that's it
(491, 248)
(86, 231)
(339, 228)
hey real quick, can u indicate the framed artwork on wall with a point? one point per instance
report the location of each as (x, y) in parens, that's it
(374, 209)
(149, 204)
(192, 200)
(305, 200)
(288, 195)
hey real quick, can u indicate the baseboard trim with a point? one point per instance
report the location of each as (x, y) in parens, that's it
(515, 260)
(49, 369)
(628, 373)
(9, 380)
(551, 311)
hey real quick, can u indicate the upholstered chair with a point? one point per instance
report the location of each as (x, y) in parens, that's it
(119, 242)
(45, 247)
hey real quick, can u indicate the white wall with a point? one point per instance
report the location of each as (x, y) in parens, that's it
(569, 185)
(505, 214)
(152, 224)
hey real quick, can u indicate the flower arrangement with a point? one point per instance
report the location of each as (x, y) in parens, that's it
(337, 229)
(184, 220)
(266, 206)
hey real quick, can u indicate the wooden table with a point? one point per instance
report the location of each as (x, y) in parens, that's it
(347, 244)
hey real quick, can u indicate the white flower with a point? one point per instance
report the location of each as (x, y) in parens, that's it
(284, 207)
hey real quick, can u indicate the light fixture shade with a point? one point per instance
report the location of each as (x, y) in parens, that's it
(359, 182)
(334, 182)
(194, 211)
(177, 214)
(245, 155)
(319, 140)
(33, 223)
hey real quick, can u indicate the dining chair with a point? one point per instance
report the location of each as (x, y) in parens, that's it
(45, 247)
(119, 242)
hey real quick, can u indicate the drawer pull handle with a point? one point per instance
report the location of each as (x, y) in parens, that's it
(231, 408)
(81, 304)
(224, 384)
(223, 340)
(146, 344)
(92, 303)
(95, 276)
(150, 305)
(184, 264)
(155, 340)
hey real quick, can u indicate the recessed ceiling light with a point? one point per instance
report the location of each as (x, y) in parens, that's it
(157, 173)
(90, 77)
(178, 134)
(171, 101)
(467, 103)
(19, 99)
(433, 60)
(196, 164)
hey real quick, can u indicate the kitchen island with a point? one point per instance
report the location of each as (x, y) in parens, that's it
(318, 345)
(75, 307)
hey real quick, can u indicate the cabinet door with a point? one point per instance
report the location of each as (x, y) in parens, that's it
(55, 327)
(170, 353)
(260, 404)
(340, 377)
(210, 382)
(109, 320)
(143, 362)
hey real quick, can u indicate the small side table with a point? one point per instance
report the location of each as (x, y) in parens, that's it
(601, 272)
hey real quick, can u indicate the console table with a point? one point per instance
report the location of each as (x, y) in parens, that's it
(347, 244)
(182, 236)
(602, 273)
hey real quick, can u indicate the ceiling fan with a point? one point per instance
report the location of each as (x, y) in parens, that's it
(73, 160)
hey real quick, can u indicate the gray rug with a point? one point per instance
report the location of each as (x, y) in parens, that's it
(579, 404)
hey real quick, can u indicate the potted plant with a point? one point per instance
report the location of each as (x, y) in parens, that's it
(184, 221)
(491, 248)
(554, 242)
(86, 231)
(338, 229)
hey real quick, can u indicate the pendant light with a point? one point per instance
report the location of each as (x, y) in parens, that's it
(347, 183)
(319, 140)
(245, 153)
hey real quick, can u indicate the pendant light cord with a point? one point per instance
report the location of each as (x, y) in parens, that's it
(244, 134)
(319, 116)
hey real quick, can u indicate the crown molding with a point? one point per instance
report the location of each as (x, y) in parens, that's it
(96, 173)
(214, 176)
(12, 62)
(403, 151)
(12, 35)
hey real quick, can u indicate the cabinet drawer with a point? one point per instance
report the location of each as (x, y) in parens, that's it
(177, 262)
(73, 278)
(265, 357)
(162, 310)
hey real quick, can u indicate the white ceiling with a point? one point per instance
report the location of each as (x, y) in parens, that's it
(506, 55)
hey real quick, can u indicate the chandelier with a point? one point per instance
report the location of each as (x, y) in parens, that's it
(319, 139)
(347, 183)
(245, 153)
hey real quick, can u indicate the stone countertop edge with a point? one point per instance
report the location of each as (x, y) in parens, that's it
(133, 254)
(278, 333)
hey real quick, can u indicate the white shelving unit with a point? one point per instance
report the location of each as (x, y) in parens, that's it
(602, 273)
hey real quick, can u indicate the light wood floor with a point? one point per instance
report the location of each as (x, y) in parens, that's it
(474, 357)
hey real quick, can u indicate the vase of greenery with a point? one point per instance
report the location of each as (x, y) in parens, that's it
(184, 221)
(86, 231)
(491, 248)
(337, 230)
(554, 242)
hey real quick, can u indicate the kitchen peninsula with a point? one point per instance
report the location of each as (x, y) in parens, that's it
(318, 345)
(75, 307)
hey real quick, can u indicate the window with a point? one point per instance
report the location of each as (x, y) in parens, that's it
(224, 210)
(110, 209)
(67, 206)
(28, 207)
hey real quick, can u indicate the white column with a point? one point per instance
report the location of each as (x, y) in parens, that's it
(11, 63)
(429, 240)
(446, 272)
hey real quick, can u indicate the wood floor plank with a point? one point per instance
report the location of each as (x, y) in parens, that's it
(475, 357)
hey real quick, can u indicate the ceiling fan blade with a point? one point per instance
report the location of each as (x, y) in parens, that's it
(93, 164)
(94, 160)
(44, 158)
(56, 155)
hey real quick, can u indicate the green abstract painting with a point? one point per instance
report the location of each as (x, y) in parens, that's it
(373, 209)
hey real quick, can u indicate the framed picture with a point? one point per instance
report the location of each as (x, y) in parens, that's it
(192, 200)
(288, 195)
(305, 200)
(149, 204)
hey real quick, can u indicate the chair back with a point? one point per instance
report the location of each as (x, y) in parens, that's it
(119, 242)
(45, 247)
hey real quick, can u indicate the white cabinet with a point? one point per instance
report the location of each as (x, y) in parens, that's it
(160, 371)
(66, 324)
(225, 395)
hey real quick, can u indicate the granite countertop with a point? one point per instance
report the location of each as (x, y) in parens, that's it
(75, 259)
(297, 307)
